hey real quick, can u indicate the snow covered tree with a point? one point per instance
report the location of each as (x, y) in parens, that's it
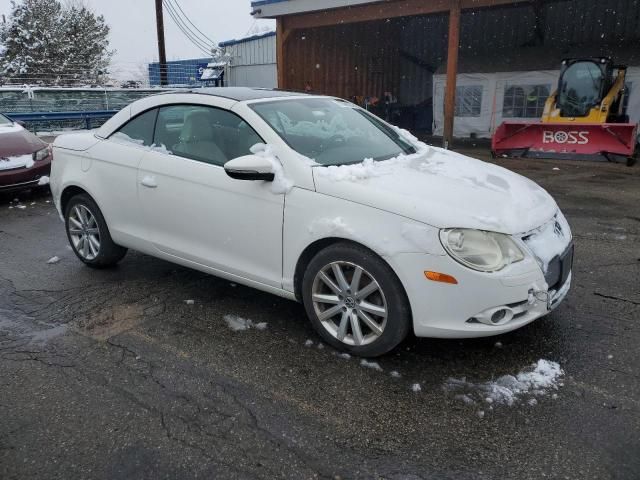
(44, 42)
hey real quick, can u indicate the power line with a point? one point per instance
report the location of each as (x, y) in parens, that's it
(204, 36)
(203, 47)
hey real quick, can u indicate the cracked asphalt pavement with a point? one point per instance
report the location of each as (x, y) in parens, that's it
(113, 375)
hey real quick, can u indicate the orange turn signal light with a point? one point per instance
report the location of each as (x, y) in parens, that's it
(441, 277)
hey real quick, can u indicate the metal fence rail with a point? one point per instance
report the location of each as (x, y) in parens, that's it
(50, 121)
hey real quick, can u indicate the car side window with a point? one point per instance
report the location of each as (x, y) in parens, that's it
(138, 130)
(206, 134)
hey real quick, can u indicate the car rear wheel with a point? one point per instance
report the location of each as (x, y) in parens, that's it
(355, 301)
(88, 234)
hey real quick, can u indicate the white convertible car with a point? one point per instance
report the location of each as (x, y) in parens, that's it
(314, 199)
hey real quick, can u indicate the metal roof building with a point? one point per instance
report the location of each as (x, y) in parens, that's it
(251, 61)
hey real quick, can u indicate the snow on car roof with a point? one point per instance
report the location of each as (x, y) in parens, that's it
(240, 93)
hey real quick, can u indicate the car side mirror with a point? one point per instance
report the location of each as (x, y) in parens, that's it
(250, 167)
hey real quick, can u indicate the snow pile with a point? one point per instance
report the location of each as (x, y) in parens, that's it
(44, 180)
(330, 227)
(359, 171)
(20, 161)
(372, 365)
(281, 184)
(238, 324)
(161, 149)
(53, 260)
(370, 168)
(537, 380)
(321, 128)
(10, 128)
(123, 137)
(416, 388)
(549, 240)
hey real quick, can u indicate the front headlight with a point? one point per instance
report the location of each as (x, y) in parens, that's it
(42, 154)
(480, 250)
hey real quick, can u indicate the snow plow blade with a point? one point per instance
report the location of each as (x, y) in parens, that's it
(607, 141)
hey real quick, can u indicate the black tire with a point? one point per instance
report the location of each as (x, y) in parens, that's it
(109, 254)
(398, 317)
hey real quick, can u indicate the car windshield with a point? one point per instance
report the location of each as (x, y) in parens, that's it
(4, 120)
(331, 131)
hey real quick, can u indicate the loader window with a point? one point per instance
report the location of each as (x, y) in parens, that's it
(524, 101)
(580, 89)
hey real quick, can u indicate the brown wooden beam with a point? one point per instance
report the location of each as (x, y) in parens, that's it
(452, 72)
(384, 10)
(281, 37)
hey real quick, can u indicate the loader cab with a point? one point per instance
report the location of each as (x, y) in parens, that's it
(583, 84)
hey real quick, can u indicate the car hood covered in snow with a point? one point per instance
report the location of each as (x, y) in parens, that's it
(443, 189)
(16, 141)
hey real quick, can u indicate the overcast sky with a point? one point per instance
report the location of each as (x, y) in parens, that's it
(133, 29)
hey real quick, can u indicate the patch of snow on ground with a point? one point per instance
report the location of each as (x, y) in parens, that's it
(189, 302)
(344, 356)
(372, 365)
(238, 324)
(44, 180)
(281, 184)
(539, 379)
(53, 260)
(20, 161)
(416, 388)
(308, 343)
(395, 374)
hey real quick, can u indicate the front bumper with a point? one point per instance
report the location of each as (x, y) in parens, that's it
(24, 178)
(452, 311)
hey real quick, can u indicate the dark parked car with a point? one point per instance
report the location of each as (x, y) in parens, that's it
(24, 158)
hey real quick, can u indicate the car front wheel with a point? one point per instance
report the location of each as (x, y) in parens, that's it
(355, 301)
(88, 233)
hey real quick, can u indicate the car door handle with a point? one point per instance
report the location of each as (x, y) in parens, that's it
(149, 182)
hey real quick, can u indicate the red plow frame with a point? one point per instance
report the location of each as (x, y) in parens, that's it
(608, 141)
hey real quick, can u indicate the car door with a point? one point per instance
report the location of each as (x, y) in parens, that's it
(114, 166)
(190, 207)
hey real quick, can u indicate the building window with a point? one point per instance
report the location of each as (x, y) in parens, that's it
(468, 101)
(524, 101)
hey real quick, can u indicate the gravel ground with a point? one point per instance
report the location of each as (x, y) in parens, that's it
(113, 375)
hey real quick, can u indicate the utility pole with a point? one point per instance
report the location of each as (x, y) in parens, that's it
(162, 53)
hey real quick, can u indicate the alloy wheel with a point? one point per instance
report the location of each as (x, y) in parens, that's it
(84, 232)
(349, 303)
